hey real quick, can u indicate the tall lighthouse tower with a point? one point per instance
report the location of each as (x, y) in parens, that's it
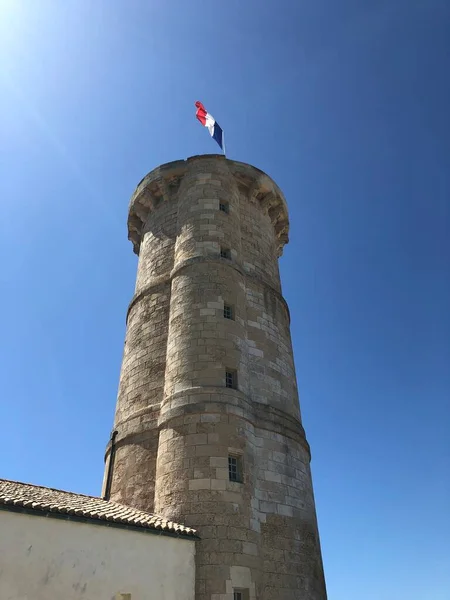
(207, 428)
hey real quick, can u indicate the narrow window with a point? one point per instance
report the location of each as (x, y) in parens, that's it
(228, 311)
(235, 468)
(230, 379)
(224, 207)
(237, 595)
(225, 253)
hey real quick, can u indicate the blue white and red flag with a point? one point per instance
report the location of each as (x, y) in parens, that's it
(207, 120)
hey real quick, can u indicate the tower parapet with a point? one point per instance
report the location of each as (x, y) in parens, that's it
(161, 184)
(208, 421)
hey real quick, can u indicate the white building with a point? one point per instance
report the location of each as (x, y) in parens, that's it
(57, 545)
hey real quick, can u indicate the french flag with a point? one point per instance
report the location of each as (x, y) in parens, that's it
(207, 120)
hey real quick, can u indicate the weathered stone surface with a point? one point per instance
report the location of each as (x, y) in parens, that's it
(176, 420)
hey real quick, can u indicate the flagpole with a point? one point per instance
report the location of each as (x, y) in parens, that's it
(223, 142)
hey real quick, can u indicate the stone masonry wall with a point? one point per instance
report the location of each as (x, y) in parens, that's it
(177, 422)
(142, 376)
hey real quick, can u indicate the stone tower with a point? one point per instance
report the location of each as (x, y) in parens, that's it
(207, 428)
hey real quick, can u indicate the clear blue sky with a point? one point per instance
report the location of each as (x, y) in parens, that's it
(346, 104)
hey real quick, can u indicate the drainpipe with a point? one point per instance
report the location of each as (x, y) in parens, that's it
(112, 456)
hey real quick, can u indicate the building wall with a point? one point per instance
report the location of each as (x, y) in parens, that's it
(260, 534)
(55, 559)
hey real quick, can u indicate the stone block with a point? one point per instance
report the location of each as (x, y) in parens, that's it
(222, 473)
(219, 461)
(267, 507)
(196, 439)
(218, 484)
(200, 484)
(283, 509)
(250, 548)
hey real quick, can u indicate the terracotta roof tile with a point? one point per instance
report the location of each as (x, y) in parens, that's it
(38, 498)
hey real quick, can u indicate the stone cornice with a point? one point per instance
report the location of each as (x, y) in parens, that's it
(161, 185)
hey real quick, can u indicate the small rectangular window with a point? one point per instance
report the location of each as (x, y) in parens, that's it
(235, 468)
(230, 379)
(225, 253)
(228, 311)
(224, 207)
(242, 594)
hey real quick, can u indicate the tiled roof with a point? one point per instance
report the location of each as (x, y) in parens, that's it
(17, 495)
